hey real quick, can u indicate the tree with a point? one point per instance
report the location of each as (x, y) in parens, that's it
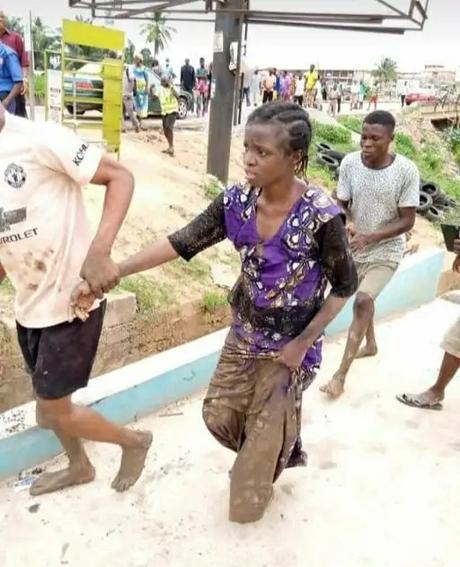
(158, 32)
(129, 52)
(43, 38)
(386, 71)
(16, 25)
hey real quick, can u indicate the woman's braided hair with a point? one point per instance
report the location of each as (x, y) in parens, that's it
(297, 122)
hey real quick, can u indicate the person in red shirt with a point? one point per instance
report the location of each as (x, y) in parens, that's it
(16, 43)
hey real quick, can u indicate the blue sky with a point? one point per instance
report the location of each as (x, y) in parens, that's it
(282, 47)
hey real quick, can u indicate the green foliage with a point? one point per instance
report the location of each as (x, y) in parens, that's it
(129, 53)
(429, 162)
(321, 175)
(43, 38)
(353, 123)
(181, 270)
(212, 187)
(15, 24)
(405, 146)
(6, 287)
(387, 71)
(39, 85)
(147, 57)
(212, 301)
(158, 32)
(331, 134)
(453, 137)
(150, 295)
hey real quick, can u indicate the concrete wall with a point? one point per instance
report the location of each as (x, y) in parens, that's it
(125, 339)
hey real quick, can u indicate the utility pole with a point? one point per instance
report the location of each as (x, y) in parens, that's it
(29, 46)
(228, 28)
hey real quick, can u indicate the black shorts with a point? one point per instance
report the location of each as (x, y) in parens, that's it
(60, 358)
(268, 96)
(169, 120)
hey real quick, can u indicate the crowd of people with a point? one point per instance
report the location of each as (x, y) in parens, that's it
(310, 90)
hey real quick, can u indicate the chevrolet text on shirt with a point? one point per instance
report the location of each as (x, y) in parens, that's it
(44, 231)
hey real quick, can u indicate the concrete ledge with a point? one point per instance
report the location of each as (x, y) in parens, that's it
(137, 389)
(415, 283)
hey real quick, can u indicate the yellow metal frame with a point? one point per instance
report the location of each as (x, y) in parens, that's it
(88, 35)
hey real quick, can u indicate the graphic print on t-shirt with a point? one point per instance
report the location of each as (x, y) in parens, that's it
(15, 175)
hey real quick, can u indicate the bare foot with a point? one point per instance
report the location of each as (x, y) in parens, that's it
(132, 463)
(366, 351)
(334, 388)
(50, 482)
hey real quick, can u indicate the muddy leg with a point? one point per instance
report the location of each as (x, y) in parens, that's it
(79, 471)
(71, 422)
(363, 312)
(270, 435)
(370, 348)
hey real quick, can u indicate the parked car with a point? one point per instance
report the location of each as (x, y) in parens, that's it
(421, 98)
(89, 86)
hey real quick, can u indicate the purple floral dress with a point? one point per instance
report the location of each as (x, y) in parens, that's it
(281, 275)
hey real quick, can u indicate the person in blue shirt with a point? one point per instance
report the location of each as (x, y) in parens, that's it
(10, 77)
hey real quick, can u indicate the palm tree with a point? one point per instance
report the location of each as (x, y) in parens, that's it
(386, 71)
(158, 32)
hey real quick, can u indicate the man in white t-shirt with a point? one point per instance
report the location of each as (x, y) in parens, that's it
(46, 250)
(379, 192)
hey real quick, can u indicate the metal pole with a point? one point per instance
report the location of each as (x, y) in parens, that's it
(228, 28)
(239, 88)
(31, 70)
(240, 105)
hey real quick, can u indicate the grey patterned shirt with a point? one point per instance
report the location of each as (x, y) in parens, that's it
(375, 196)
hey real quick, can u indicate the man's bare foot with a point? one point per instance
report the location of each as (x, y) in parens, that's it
(334, 388)
(50, 482)
(132, 463)
(367, 350)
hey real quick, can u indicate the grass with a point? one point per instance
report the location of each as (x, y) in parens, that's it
(353, 123)
(340, 139)
(211, 301)
(196, 270)
(6, 287)
(150, 295)
(321, 175)
(212, 187)
(404, 145)
(331, 134)
(452, 216)
(429, 162)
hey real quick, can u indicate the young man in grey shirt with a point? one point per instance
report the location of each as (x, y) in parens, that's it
(379, 192)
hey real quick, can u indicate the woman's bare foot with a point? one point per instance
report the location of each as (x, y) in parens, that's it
(335, 387)
(132, 463)
(50, 482)
(367, 350)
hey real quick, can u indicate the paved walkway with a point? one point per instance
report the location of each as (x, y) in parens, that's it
(381, 489)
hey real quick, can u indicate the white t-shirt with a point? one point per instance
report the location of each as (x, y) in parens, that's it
(44, 231)
(376, 195)
(299, 87)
